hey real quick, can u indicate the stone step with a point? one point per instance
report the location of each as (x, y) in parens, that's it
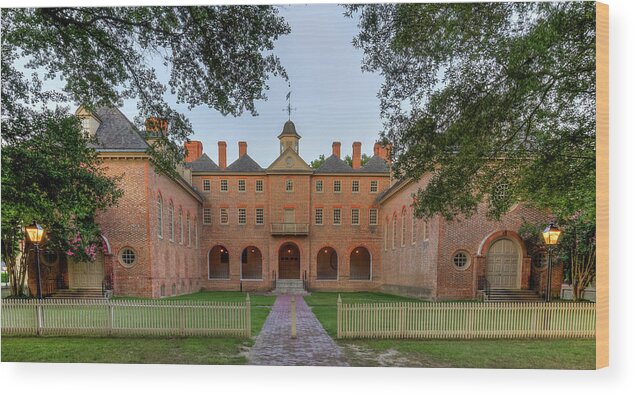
(78, 293)
(513, 295)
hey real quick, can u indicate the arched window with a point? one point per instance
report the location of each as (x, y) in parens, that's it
(180, 223)
(196, 231)
(327, 264)
(218, 263)
(251, 263)
(170, 218)
(414, 225)
(159, 221)
(189, 232)
(394, 231)
(403, 216)
(386, 230)
(360, 264)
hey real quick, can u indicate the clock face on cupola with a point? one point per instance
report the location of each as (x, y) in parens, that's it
(289, 161)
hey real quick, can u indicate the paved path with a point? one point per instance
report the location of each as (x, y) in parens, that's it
(312, 347)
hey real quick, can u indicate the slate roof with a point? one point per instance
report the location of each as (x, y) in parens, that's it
(334, 165)
(289, 130)
(117, 132)
(203, 163)
(386, 192)
(376, 164)
(245, 164)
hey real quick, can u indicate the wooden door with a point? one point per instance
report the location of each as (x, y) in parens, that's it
(86, 274)
(502, 265)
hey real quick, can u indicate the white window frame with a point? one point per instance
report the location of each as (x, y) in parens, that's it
(206, 185)
(403, 226)
(376, 216)
(224, 185)
(259, 186)
(180, 224)
(394, 220)
(242, 185)
(386, 231)
(414, 233)
(336, 186)
(242, 216)
(352, 215)
(319, 186)
(224, 216)
(288, 183)
(259, 219)
(356, 183)
(207, 216)
(170, 212)
(159, 219)
(189, 231)
(374, 186)
(319, 219)
(336, 211)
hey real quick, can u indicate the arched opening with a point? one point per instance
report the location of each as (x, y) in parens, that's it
(360, 264)
(327, 264)
(502, 264)
(219, 263)
(251, 264)
(288, 261)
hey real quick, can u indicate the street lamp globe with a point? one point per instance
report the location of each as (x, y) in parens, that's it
(551, 234)
(35, 233)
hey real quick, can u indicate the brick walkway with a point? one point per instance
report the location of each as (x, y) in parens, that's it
(312, 347)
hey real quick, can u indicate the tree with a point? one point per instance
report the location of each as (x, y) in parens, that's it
(214, 56)
(316, 163)
(364, 159)
(496, 100)
(53, 177)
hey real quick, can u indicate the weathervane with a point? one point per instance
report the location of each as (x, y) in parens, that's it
(288, 98)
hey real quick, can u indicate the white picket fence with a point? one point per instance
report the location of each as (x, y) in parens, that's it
(68, 317)
(465, 320)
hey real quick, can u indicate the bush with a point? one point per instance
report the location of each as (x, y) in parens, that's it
(5, 278)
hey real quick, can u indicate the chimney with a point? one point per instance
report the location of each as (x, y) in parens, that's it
(242, 148)
(356, 155)
(194, 150)
(377, 149)
(222, 154)
(336, 149)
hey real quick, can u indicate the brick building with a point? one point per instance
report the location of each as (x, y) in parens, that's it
(220, 226)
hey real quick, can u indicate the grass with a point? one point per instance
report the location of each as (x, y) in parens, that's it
(516, 354)
(190, 350)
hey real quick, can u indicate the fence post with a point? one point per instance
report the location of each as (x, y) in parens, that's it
(38, 317)
(110, 318)
(247, 329)
(339, 316)
(181, 321)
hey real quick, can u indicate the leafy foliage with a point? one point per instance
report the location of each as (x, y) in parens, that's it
(487, 96)
(316, 163)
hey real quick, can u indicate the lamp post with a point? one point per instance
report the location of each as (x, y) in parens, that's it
(551, 236)
(35, 233)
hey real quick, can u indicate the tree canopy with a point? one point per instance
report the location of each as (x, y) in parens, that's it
(316, 163)
(497, 100)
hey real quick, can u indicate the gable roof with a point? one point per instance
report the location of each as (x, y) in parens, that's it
(203, 163)
(244, 164)
(376, 164)
(334, 165)
(116, 132)
(289, 161)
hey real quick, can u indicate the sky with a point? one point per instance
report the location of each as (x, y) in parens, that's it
(333, 99)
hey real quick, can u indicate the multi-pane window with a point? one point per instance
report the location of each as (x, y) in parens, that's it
(224, 185)
(374, 186)
(159, 218)
(336, 216)
(242, 216)
(414, 223)
(289, 185)
(319, 216)
(385, 231)
(259, 185)
(180, 223)
(319, 186)
(337, 186)
(403, 228)
(259, 216)
(355, 186)
(242, 185)
(426, 230)
(206, 185)
(206, 216)
(189, 231)
(170, 224)
(224, 216)
(394, 232)
(374, 216)
(355, 216)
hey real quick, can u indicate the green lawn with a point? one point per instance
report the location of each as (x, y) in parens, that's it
(190, 350)
(517, 354)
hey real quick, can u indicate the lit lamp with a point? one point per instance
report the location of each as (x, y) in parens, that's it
(35, 233)
(551, 238)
